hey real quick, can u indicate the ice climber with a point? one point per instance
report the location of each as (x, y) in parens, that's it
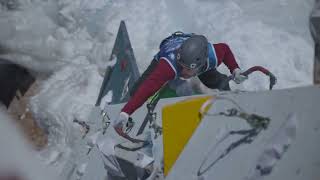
(181, 56)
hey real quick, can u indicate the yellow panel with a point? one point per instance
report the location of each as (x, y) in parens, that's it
(179, 120)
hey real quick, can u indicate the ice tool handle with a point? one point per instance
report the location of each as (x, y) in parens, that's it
(273, 79)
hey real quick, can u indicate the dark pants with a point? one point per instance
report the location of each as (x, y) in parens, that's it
(212, 79)
(215, 80)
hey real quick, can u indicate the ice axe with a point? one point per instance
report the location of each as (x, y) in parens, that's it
(273, 79)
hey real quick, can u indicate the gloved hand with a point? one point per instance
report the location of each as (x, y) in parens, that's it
(119, 124)
(237, 76)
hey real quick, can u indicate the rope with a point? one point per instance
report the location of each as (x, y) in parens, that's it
(257, 123)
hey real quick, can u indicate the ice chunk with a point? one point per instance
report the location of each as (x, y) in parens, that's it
(112, 61)
(106, 147)
(106, 100)
(275, 149)
(81, 170)
(143, 160)
(93, 139)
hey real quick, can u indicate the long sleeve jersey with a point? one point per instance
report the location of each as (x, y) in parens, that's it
(164, 73)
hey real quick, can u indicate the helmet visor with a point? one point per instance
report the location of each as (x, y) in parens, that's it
(190, 71)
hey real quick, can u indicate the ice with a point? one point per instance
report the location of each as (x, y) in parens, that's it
(106, 147)
(17, 158)
(93, 139)
(278, 145)
(112, 62)
(67, 44)
(106, 100)
(143, 160)
(81, 170)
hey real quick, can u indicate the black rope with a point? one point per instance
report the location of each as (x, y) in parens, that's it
(257, 123)
(247, 139)
(144, 144)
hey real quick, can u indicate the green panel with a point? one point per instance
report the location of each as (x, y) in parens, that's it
(122, 76)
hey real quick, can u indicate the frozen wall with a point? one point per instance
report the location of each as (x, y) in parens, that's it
(68, 41)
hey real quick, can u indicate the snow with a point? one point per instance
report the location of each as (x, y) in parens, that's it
(66, 44)
(81, 170)
(143, 160)
(275, 149)
(17, 157)
(106, 147)
(76, 89)
(105, 101)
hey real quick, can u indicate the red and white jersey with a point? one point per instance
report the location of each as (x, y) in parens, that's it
(164, 72)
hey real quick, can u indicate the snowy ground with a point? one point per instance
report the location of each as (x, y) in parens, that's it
(67, 42)
(17, 156)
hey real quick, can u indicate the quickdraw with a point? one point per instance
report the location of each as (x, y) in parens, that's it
(254, 120)
(105, 121)
(151, 117)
